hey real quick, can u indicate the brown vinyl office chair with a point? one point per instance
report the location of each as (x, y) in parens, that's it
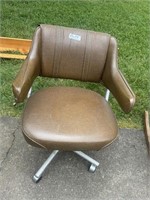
(71, 118)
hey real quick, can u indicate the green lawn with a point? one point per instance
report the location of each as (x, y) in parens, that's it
(127, 20)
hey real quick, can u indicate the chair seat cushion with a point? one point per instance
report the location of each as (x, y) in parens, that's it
(68, 118)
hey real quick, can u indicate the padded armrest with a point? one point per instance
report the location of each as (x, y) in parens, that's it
(29, 70)
(114, 80)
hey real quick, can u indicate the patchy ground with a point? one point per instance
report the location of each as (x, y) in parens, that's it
(123, 174)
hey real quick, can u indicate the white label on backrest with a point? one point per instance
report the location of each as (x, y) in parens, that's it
(74, 37)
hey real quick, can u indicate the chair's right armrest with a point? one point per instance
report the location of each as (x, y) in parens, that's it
(29, 70)
(114, 80)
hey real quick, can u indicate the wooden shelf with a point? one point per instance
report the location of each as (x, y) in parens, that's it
(14, 45)
(147, 130)
(15, 56)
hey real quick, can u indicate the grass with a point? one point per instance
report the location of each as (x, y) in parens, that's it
(128, 21)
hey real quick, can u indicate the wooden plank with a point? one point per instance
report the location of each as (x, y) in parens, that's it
(15, 44)
(14, 56)
(147, 130)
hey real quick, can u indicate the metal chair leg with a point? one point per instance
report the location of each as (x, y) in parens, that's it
(39, 173)
(37, 177)
(107, 95)
(93, 162)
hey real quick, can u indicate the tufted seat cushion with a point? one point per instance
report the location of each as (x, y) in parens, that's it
(68, 118)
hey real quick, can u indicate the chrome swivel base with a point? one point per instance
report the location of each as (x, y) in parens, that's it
(93, 162)
(37, 177)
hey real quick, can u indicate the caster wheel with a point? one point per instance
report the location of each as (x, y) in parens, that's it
(92, 168)
(36, 179)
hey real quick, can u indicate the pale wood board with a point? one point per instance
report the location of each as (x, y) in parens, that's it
(14, 44)
(147, 130)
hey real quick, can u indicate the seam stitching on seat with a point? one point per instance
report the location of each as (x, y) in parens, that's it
(111, 141)
(32, 139)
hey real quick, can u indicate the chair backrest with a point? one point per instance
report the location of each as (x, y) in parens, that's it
(73, 53)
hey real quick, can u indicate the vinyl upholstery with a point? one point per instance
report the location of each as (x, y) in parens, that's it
(71, 118)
